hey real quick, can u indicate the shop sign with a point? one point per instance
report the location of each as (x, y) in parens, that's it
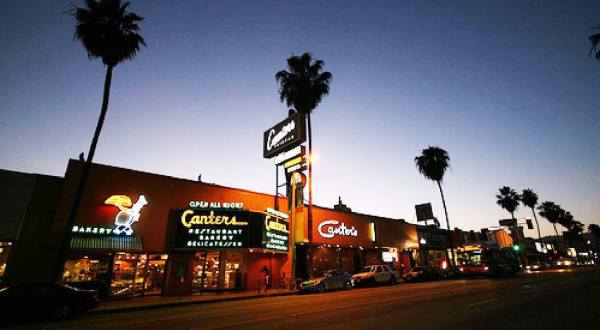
(331, 228)
(216, 205)
(92, 230)
(287, 155)
(284, 136)
(128, 214)
(211, 229)
(276, 234)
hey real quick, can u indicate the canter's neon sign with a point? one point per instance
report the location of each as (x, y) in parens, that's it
(331, 228)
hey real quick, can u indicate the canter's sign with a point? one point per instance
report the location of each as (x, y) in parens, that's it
(284, 136)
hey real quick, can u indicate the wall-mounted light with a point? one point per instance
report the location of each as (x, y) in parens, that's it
(372, 231)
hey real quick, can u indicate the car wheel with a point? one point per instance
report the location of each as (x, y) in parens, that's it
(393, 280)
(348, 285)
(62, 312)
(322, 288)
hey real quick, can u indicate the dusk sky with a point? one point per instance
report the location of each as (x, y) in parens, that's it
(507, 88)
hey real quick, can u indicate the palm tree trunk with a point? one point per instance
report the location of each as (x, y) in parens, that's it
(555, 230)
(310, 189)
(447, 222)
(537, 225)
(66, 237)
(515, 227)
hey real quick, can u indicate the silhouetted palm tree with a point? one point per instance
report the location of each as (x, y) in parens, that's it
(303, 86)
(530, 199)
(509, 200)
(109, 32)
(595, 40)
(432, 164)
(551, 212)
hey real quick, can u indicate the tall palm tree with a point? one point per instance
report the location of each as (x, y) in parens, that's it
(595, 40)
(551, 212)
(530, 200)
(432, 164)
(508, 199)
(108, 31)
(303, 85)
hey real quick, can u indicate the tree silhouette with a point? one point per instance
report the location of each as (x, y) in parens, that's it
(508, 199)
(595, 40)
(432, 164)
(552, 213)
(530, 200)
(108, 31)
(303, 85)
(595, 230)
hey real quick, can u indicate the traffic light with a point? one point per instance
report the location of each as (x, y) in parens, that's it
(529, 224)
(516, 247)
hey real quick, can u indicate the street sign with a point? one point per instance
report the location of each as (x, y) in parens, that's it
(508, 222)
(284, 136)
(424, 212)
(287, 155)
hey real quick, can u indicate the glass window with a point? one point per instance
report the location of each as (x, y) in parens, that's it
(206, 271)
(124, 282)
(84, 270)
(233, 273)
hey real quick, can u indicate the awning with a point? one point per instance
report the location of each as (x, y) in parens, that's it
(81, 243)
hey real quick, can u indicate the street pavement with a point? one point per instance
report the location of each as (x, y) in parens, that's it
(557, 299)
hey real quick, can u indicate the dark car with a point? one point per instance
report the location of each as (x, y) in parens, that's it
(327, 280)
(422, 273)
(59, 301)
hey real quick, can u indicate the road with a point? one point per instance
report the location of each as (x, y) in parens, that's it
(545, 300)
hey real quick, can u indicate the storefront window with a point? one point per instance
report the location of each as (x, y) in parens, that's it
(206, 271)
(85, 270)
(124, 281)
(4, 253)
(233, 273)
(155, 274)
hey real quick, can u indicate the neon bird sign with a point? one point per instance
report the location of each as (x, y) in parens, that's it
(128, 214)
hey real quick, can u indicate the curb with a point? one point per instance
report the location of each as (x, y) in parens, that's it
(184, 303)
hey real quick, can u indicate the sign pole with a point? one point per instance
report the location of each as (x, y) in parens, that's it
(276, 201)
(292, 212)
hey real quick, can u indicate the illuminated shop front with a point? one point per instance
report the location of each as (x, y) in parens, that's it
(350, 241)
(145, 234)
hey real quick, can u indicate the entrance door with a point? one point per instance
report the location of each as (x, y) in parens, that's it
(155, 274)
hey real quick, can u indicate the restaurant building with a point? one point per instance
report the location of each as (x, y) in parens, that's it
(145, 234)
(139, 234)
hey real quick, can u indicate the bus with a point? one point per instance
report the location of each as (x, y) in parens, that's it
(487, 260)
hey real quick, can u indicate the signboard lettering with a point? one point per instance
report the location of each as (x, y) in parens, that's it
(284, 136)
(331, 228)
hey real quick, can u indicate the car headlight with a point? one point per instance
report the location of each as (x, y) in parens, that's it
(567, 263)
(486, 268)
(528, 267)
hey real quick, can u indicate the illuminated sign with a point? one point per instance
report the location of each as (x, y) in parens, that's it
(331, 228)
(287, 155)
(210, 229)
(216, 205)
(388, 256)
(128, 213)
(284, 136)
(276, 234)
(91, 230)
(188, 219)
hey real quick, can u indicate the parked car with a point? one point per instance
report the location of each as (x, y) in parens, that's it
(422, 273)
(327, 280)
(537, 265)
(376, 274)
(564, 263)
(59, 301)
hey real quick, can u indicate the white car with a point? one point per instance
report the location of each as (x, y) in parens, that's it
(375, 274)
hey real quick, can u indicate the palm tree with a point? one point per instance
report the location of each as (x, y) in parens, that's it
(432, 164)
(109, 32)
(551, 212)
(508, 199)
(303, 86)
(595, 40)
(530, 199)
(595, 230)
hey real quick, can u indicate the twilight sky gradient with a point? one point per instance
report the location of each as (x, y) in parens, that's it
(508, 89)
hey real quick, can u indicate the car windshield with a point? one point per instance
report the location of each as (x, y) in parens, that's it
(320, 274)
(370, 268)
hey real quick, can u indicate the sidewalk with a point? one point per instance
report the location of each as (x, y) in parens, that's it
(149, 302)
